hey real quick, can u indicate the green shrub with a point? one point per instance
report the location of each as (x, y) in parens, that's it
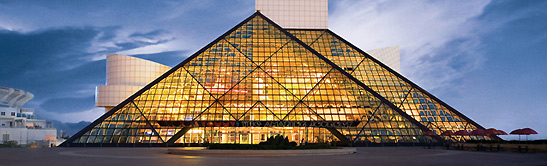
(10, 144)
(277, 142)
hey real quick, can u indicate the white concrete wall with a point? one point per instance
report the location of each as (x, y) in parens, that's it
(305, 14)
(125, 75)
(127, 70)
(389, 56)
(24, 136)
(7, 113)
(112, 95)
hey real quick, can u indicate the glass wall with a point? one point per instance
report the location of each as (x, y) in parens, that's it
(409, 98)
(257, 73)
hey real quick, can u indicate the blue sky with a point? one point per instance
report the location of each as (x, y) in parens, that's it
(487, 59)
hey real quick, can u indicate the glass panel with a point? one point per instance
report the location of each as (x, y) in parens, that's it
(126, 122)
(402, 94)
(307, 36)
(257, 39)
(257, 73)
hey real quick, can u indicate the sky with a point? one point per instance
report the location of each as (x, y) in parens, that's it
(487, 59)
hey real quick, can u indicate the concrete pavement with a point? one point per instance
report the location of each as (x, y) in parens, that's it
(363, 156)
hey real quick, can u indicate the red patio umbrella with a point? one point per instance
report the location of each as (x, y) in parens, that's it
(492, 131)
(461, 132)
(528, 131)
(429, 133)
(478, 132)
(502, 132)
(447, 133)
(516, 132)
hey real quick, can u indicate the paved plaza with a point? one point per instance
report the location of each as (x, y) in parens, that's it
(364, 156)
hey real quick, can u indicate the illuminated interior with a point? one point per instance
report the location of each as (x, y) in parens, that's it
(410, 98)
(257, 73)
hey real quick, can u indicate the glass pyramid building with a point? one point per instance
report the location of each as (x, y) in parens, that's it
(259, 79)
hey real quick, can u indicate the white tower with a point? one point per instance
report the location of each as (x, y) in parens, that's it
(297, 14)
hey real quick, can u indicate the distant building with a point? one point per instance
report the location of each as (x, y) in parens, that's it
(20, 124)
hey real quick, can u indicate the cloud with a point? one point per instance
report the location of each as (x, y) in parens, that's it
(127, 43)
(170, 58)
(68, 129)
(42, 50)
(152, 42)
(57, 65)
(175, 45)
(504, 93)
(149, 35)
(75, 104)
(432, 35)
(181, 8)
(74, 117)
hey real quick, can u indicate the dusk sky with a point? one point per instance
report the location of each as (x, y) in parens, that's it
(487, 59)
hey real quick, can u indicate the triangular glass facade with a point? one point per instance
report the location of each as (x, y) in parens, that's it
(259, 80)
(409, 97)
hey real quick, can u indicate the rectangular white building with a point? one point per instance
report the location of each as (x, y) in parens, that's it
(298, 14)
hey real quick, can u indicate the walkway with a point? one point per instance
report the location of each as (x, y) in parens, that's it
(364, 156)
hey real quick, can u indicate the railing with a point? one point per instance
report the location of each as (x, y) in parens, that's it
(19, 115)
(31, 128)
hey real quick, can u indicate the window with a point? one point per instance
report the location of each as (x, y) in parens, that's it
(3, 113)
(12, 113)
(5, 137)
